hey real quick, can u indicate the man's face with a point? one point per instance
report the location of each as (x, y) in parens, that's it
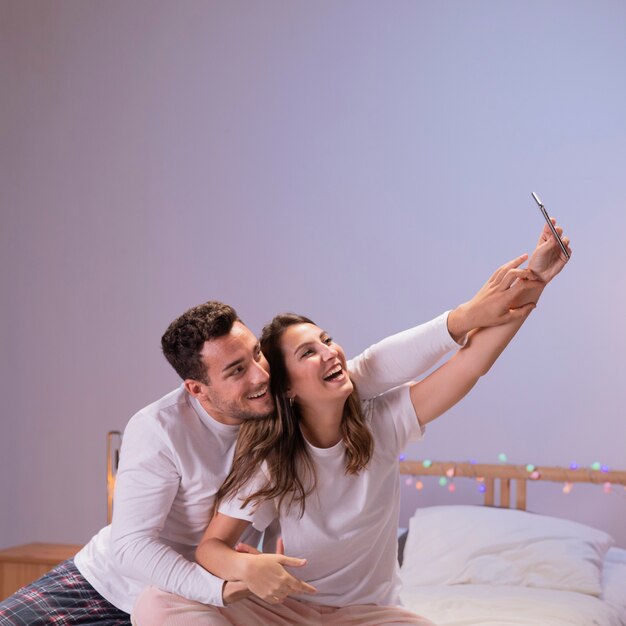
(238, 378)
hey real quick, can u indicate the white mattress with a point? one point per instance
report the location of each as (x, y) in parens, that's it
(485, 605)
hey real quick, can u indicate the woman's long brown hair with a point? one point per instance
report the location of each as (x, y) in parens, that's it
(279, 441)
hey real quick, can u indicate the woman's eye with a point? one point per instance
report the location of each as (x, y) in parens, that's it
(307, 352)
(328, 340)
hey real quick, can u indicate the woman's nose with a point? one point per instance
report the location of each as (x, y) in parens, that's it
(330, 352)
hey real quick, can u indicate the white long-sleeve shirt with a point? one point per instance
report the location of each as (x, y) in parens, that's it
(174, 458)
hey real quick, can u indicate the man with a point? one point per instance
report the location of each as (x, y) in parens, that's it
(177, 451)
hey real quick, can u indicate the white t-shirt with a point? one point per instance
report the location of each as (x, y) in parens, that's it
(174, 458)
(348, 532)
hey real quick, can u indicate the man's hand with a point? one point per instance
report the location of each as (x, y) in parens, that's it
(506, 296)
(266, 576)
(233, 591)
(548, 259)
(268, 579)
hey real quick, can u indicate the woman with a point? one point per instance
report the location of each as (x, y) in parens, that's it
(329, 473)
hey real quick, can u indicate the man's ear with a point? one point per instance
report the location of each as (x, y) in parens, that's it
(193, 387)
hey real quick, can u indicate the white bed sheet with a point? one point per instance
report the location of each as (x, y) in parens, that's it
(485, 605)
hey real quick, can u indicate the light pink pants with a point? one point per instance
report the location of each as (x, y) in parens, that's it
(158, 608)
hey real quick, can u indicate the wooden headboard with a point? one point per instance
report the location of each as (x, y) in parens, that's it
(520, 474)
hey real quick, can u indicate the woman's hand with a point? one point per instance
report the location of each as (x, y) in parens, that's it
(505, 297)
(548, 259)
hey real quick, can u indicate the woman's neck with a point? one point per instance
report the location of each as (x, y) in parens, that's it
(322, 425)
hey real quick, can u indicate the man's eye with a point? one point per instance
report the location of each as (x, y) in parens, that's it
(237, 370)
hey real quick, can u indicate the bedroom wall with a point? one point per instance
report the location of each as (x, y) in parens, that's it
(366, 163)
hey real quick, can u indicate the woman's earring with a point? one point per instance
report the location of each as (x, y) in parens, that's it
(291, 401)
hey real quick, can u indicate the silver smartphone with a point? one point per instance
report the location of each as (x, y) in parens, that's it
(550, 224)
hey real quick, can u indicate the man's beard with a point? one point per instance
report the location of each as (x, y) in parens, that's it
(248, 416)
(235, 410)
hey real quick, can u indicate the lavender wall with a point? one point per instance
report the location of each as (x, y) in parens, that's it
(366, 163)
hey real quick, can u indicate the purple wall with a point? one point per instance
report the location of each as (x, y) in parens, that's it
(366, 163)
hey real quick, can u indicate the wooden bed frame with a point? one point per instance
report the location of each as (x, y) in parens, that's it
(504, 474)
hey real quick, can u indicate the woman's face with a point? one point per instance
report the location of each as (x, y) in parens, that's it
(316, 366)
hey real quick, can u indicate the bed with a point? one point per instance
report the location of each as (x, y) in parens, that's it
(503, 566)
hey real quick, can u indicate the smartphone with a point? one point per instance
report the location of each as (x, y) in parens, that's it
(550, 224)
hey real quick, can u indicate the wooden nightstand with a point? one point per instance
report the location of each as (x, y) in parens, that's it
(23, 564)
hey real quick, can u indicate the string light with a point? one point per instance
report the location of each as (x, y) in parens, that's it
(447, 480)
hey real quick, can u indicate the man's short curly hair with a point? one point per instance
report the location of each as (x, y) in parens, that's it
(182, 342)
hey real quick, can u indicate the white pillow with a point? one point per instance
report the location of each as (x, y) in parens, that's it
(450, 545)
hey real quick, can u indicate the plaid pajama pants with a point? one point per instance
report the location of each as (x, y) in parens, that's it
(62, 596)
